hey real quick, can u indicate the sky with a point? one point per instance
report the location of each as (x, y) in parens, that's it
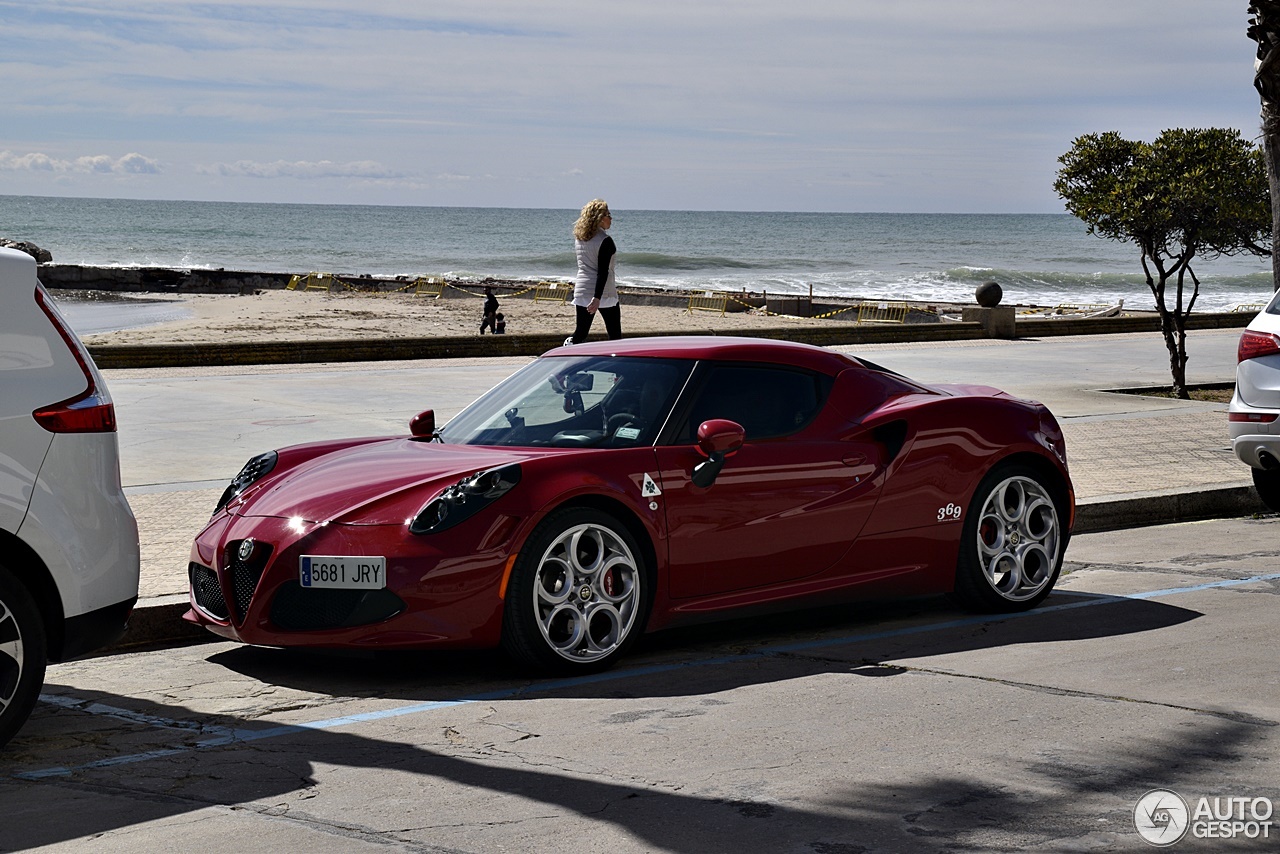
(947, 106)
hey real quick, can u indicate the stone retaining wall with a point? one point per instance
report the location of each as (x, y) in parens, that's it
(391, 349)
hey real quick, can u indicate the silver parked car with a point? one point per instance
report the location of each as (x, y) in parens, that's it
(68, 540)
(1254, 413)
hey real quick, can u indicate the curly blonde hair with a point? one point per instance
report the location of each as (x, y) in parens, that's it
(593, 213)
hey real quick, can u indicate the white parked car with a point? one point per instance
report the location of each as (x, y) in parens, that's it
(1254, 413)
(68, 540)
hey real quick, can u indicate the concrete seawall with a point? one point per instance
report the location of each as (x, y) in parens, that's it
(388, 349)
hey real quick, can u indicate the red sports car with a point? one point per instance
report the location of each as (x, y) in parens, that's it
(612, 488)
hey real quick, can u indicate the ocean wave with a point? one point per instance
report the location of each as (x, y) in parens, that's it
(1041, 259)
(660, 261)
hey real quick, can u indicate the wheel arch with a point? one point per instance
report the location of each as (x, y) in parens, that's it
(1054, 478)
(27, 567)
(625, 515)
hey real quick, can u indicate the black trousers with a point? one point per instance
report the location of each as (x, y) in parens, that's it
(612, 322)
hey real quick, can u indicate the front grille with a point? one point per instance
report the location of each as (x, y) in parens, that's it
(302, 609)
(207, 591)
(245, 574)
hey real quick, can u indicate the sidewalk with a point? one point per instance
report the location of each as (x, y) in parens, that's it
(1134, 460)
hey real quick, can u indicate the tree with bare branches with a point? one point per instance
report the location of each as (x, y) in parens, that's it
(1198, 193)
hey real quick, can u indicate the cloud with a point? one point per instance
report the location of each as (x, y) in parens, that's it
(666, 104)
(101, 164)
(302, 169)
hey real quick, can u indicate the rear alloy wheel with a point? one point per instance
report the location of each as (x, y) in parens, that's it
(579, 593)
(1267, 482)
(1012, 542)
(22, 655)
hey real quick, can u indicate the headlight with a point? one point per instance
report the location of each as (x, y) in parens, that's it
(465, 499)
(253, 471)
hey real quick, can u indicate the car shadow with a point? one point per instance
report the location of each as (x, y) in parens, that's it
(950, 810)
(684, 661)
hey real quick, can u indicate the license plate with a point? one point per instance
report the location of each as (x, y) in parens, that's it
(343, 572)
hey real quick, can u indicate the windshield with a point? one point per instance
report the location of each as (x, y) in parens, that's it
(574, 402)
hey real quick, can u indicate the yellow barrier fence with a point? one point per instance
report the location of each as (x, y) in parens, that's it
(882, 312)
(429, 286)
(708, 302)
(552, 292)
(311, 282)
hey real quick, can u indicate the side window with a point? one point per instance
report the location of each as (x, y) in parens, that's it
(767, 401)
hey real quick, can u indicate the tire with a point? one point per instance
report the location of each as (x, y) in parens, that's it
(23, 652)
(1012, 542)
(579, 594)
(1267, 482)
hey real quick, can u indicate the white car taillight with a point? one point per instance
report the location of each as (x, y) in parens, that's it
(91, 411)
(1255, 344)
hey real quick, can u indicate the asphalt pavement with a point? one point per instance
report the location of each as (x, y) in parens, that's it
(906, 726)
(1135, 459)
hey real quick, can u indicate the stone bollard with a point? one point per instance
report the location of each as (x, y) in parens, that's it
(998, 321)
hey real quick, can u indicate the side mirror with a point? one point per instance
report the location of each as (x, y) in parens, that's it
(720, 436)
(423, 425)
(718, 439)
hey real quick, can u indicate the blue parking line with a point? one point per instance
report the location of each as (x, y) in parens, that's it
(232, 736)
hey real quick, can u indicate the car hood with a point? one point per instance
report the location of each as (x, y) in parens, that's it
(383, 482)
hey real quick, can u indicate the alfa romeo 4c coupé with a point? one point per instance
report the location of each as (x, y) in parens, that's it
(613, 488)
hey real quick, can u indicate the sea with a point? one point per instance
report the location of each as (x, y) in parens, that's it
(1038, 259)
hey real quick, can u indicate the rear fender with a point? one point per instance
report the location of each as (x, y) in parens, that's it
(932, 480)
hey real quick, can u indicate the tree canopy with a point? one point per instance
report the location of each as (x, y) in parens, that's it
(1202, 191)
(1191, 193)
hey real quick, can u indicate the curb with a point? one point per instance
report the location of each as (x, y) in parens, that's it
(157, 623)
(1165, 508)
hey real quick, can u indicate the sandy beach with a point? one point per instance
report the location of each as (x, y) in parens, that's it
(319, 315)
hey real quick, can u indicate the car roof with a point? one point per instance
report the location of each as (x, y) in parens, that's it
(717, 347)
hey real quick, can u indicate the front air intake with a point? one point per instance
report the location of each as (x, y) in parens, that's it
(245, 572)
(207, 592)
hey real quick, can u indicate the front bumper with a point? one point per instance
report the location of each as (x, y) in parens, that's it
(441, 592)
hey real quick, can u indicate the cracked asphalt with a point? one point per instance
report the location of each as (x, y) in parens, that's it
(906, 726)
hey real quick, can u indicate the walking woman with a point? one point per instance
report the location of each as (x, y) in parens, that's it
(595, 288)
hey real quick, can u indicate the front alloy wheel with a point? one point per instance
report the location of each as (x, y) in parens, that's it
(577, 593)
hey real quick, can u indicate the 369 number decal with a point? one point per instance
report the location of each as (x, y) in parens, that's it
(951, 511)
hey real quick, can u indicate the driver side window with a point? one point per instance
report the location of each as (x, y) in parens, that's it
(767, 401)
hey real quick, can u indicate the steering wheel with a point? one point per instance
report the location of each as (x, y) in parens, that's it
(619, 420)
